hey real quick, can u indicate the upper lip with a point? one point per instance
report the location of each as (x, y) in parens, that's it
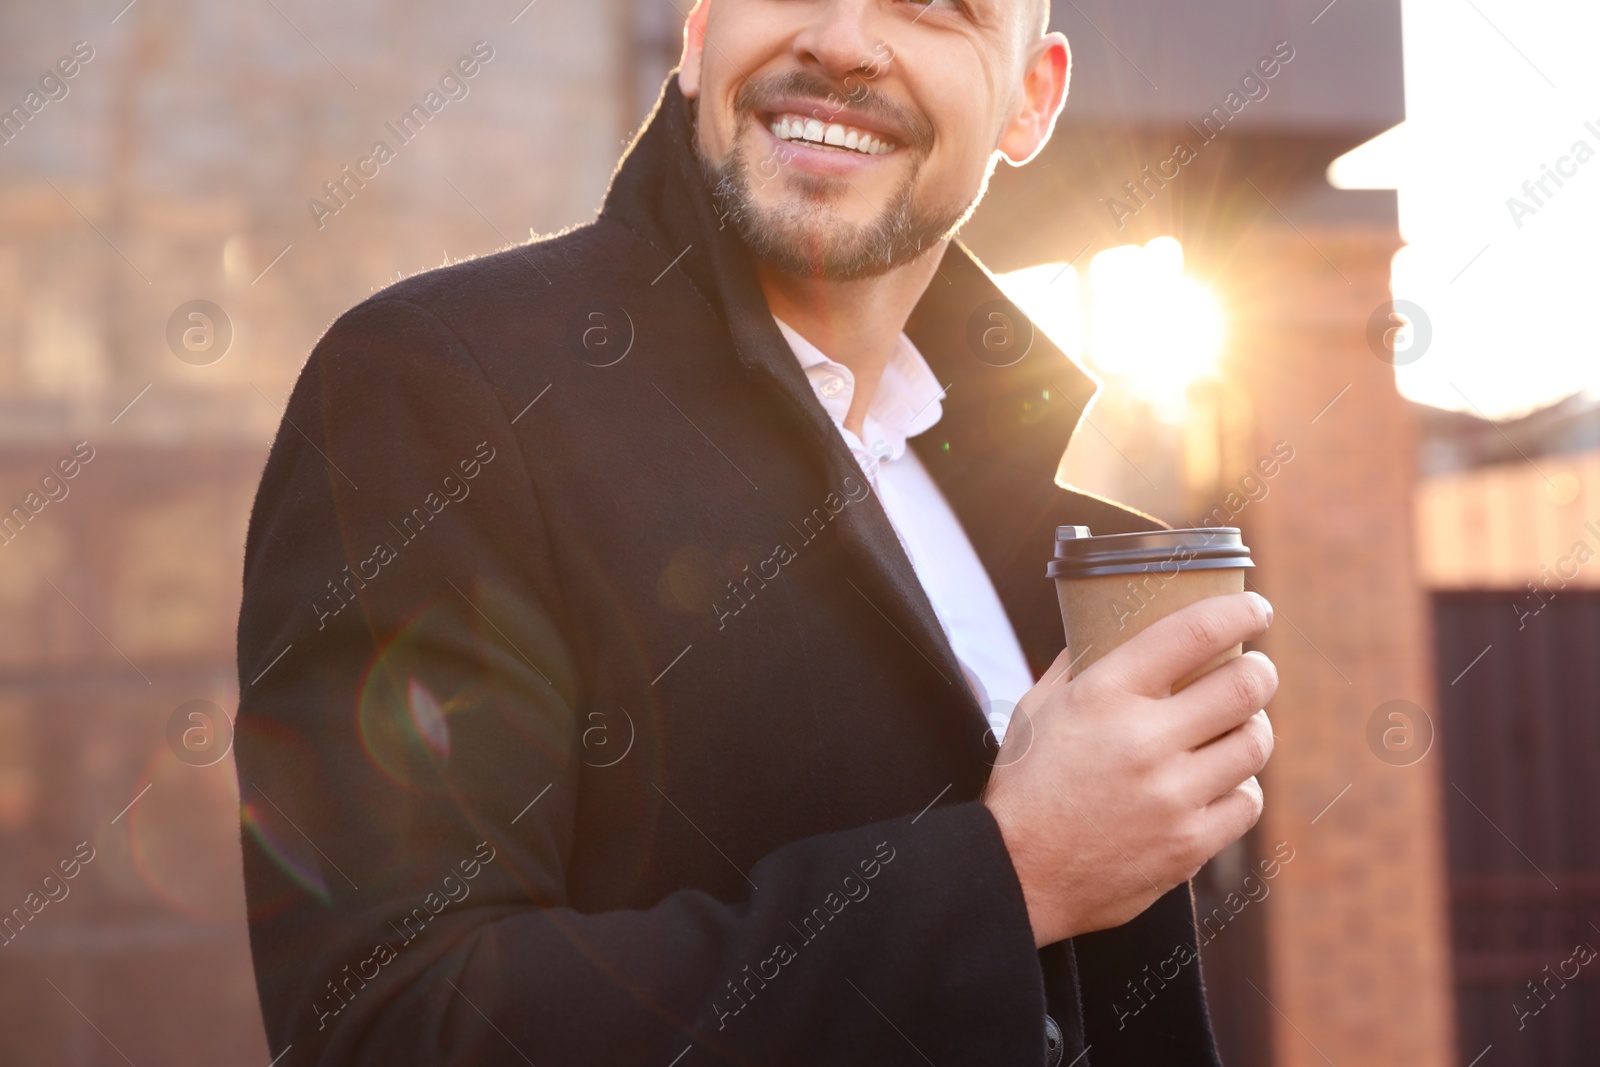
(811, 107)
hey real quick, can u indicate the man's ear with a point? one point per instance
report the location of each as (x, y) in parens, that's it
(694, 46)
(1044, 90)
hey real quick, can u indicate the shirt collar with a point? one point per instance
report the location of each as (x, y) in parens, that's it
(906, 403)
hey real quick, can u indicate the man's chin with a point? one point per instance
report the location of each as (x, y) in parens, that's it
(804, 235)
(831, 252)
(800, 244)
(806, 231)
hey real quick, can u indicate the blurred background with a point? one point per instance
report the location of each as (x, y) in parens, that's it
(1335, 264)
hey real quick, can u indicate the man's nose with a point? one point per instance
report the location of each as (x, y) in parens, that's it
(841, 39)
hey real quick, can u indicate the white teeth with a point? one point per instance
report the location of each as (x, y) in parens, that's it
(798, 128)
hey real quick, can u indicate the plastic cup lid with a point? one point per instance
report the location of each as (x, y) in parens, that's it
(1080, 554)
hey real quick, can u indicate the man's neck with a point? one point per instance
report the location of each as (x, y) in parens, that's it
(856, 323)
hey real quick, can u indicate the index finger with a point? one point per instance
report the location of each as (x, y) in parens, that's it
(1170, 648)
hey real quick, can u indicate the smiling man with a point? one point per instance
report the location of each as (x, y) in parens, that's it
(646, 655)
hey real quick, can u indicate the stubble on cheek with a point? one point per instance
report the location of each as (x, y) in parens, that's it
(799, 222)
(803, 234)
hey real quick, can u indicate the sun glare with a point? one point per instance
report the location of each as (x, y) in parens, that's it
(1140, 321)
(1497, 172)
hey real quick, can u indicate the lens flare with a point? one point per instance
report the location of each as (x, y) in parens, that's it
(1141, 321)
(278, 842)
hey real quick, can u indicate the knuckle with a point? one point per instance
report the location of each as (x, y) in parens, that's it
(1202, 630)
(1245, 688)
(1257, 748)
(1266, 671)
(1143, 740)
(1257, 802)
(1167, 794)
(1268, 745)
(1107, 688)
(1092, 687)
(1190, 841)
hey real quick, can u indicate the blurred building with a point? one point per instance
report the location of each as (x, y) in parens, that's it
(180, 162)
(1508, 538)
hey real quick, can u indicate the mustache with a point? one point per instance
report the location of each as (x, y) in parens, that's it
(905, 125)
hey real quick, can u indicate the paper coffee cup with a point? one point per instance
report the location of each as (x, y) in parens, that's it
(1114, 586)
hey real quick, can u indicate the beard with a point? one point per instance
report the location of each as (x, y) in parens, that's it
(805, 236)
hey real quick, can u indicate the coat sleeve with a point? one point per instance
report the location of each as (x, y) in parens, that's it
(408, 745)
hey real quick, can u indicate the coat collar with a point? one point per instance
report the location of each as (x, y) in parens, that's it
(1011, 403)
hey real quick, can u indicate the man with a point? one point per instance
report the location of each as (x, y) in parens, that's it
(623, 650)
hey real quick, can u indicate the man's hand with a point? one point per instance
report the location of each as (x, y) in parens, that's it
(1109, 790)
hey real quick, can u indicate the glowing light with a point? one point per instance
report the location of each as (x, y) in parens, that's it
(1140, 319)
(236, 259)
(1500, 243)
(1563, 487)
(1049, 295)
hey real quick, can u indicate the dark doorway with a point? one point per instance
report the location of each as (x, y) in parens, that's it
(1520, 734)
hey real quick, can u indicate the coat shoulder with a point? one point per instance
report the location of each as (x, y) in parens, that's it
(545, 273)
(513, 313)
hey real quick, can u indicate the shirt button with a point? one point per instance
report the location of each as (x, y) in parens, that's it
(832, 385)
(1054, 1047)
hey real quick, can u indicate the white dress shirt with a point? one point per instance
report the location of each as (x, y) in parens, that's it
(907, 403)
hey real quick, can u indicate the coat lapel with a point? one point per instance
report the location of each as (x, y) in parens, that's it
(1012, 402)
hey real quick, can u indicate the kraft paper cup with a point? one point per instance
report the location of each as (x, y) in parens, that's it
(1114, 586)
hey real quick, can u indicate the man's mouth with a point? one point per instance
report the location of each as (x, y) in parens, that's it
(814, 132)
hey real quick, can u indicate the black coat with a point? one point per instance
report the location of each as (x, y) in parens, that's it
(591, 711)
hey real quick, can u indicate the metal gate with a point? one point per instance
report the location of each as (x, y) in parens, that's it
(1519, 702)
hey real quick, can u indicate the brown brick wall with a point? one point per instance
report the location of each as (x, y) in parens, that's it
(1358, 959)
(120, 600)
